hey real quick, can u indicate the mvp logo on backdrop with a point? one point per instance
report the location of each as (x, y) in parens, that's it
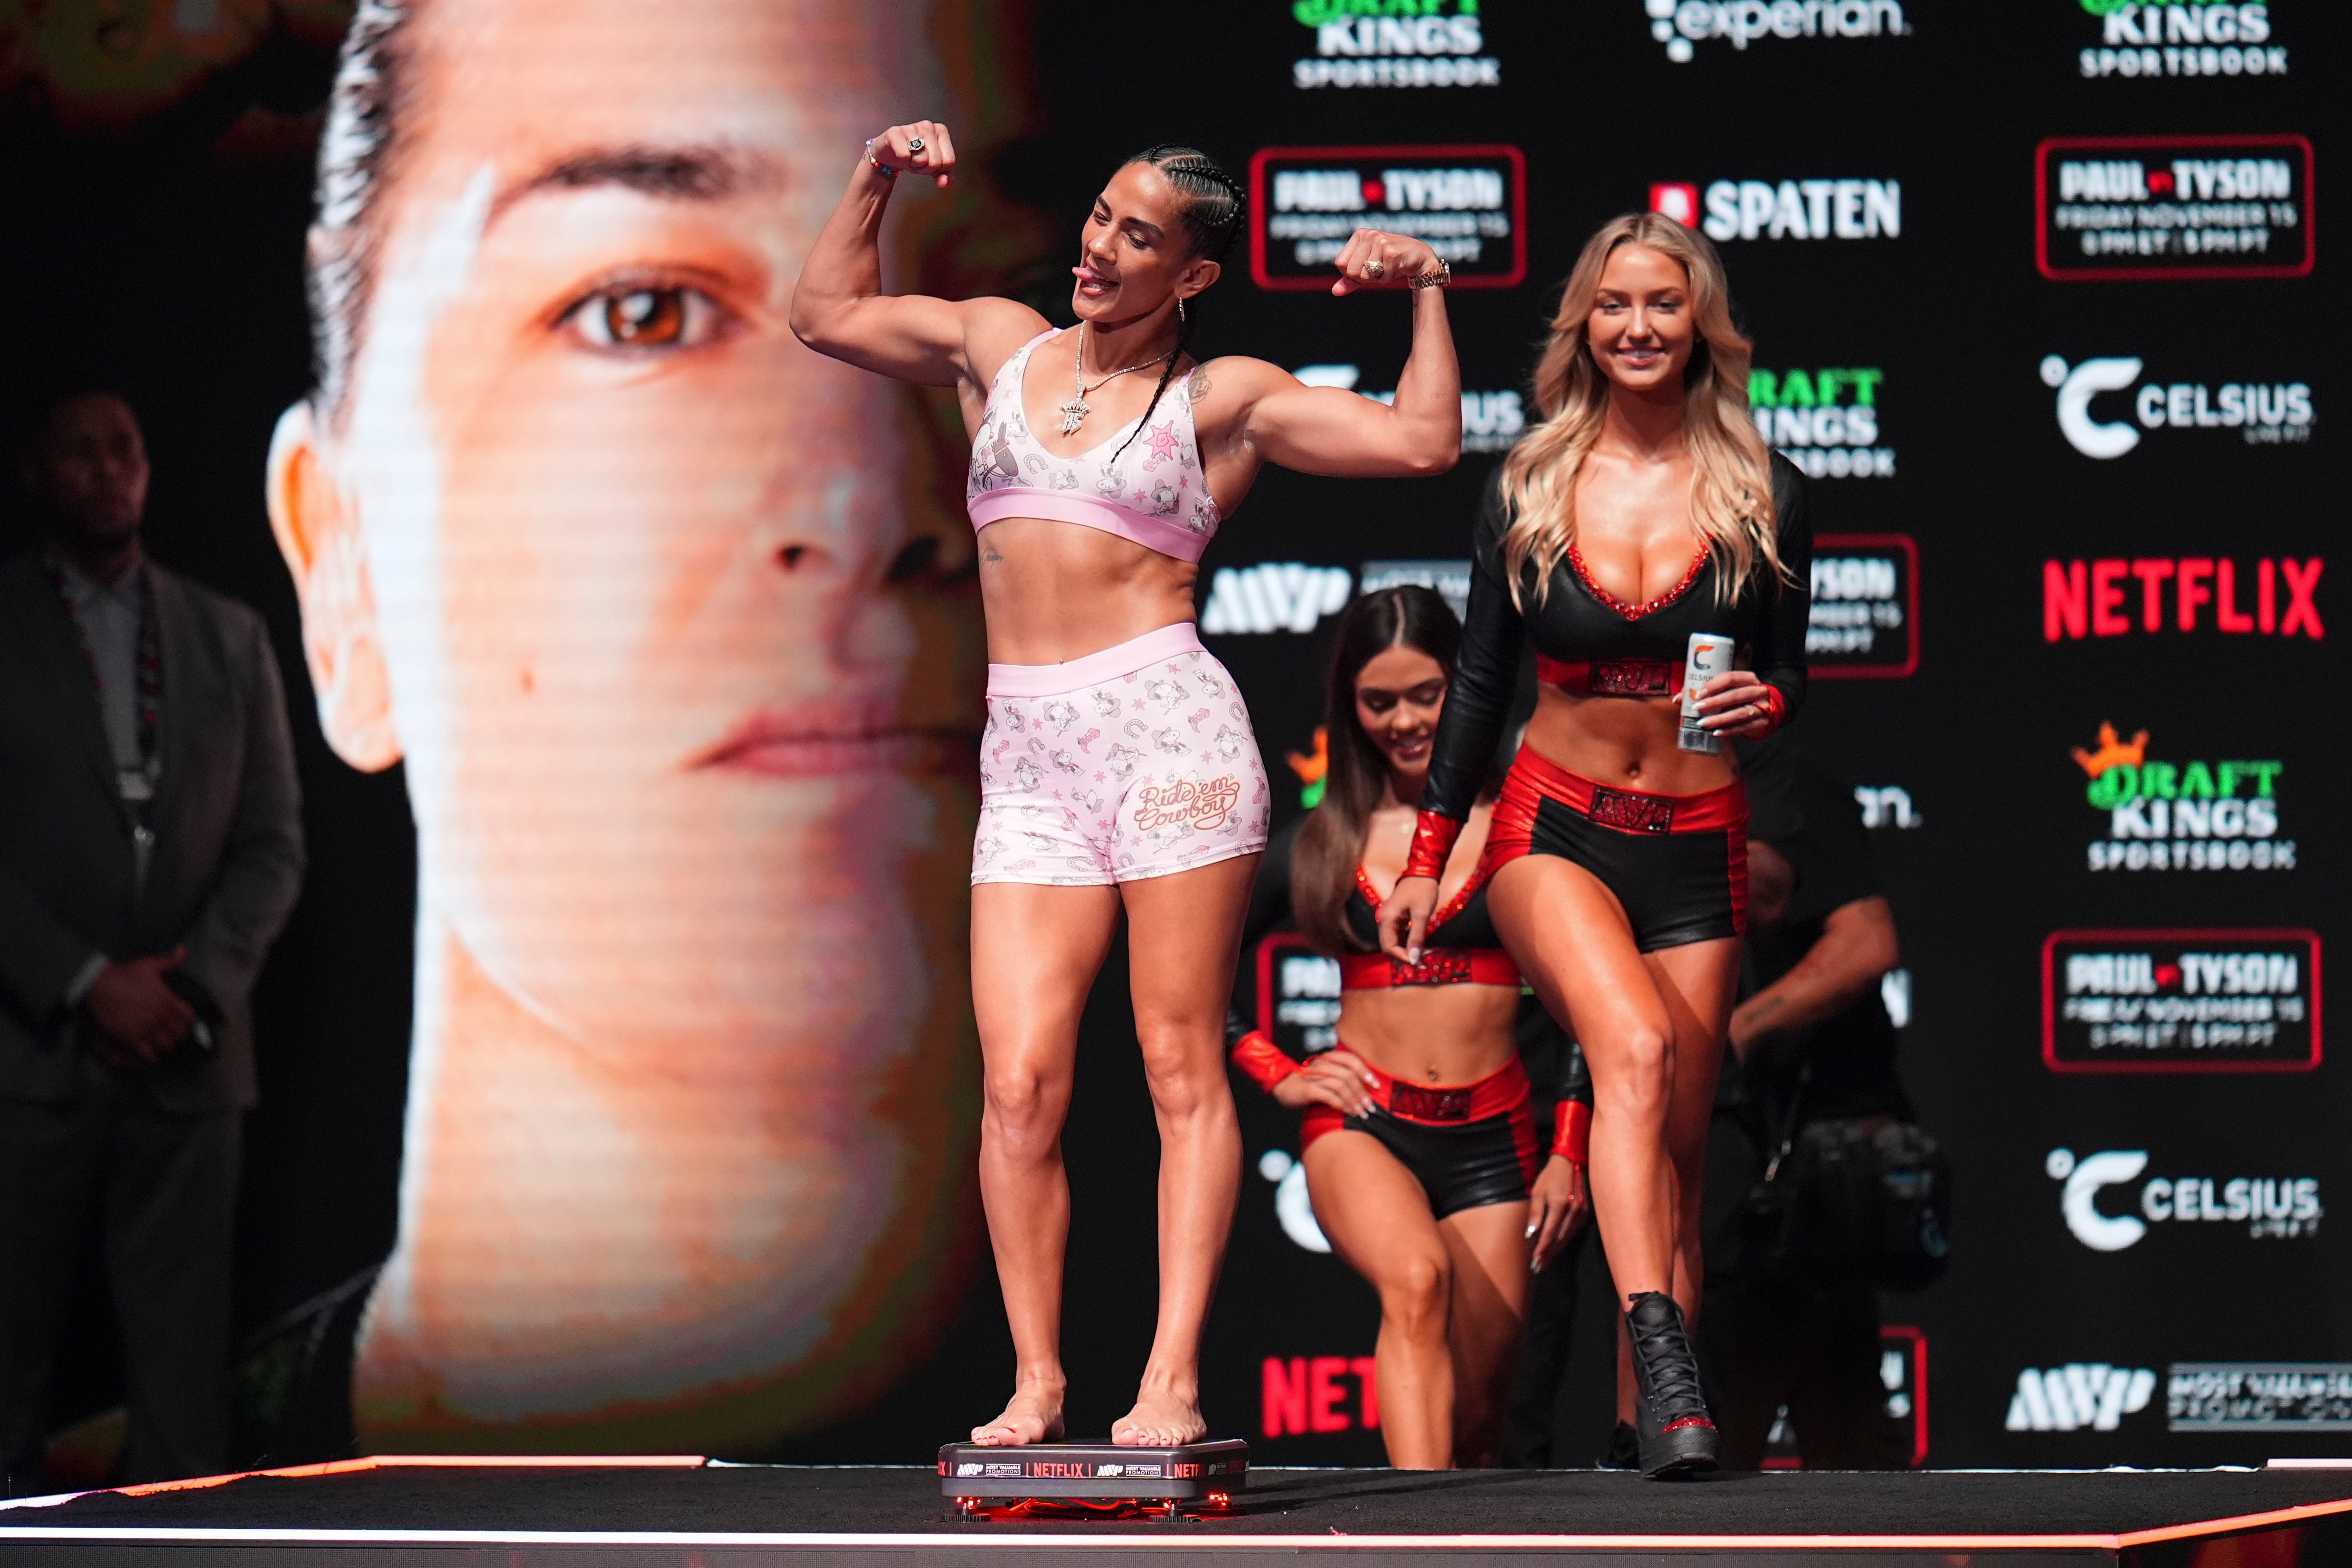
(2180, 1001)
(1394, 43)
(2264, 413)
(1469, 202)
(2180, 38)
(1681, 24)
(2268, 1206)
(2193, 816)
(2113, 207)
(2079, 1396)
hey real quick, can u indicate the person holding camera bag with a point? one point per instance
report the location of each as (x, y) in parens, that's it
(1851, 1194)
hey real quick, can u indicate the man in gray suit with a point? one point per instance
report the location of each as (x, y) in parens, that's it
(151, 846)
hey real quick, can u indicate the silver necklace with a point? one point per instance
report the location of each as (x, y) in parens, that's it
(1075, 412)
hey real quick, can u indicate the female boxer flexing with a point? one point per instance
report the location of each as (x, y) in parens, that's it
(1118, 771)
(1421, 1150)
(1642, 508)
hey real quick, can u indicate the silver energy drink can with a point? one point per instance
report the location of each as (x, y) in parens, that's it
(1709, 656)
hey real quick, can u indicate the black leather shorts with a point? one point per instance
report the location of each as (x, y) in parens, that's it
(1468, 1165)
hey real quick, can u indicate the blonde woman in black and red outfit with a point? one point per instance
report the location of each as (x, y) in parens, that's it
(1644, 508)
(1421, 1153)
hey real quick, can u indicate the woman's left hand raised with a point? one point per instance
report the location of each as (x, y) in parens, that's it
(1737, 705)
(1374, 259)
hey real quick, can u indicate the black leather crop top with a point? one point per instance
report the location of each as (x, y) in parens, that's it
(1593, 643)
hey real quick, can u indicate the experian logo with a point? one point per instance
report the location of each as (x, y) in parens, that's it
(1679, 24)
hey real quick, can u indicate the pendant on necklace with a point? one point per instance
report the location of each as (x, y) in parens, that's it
(1074, 414)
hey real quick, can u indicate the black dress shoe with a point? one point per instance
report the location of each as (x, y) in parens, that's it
(1675, 1434)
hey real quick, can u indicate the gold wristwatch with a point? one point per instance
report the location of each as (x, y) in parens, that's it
(1438, 279)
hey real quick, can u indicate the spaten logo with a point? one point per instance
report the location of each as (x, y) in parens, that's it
(1792, 209)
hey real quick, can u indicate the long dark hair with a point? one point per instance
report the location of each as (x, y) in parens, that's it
(1331, 840)
(1211, 214)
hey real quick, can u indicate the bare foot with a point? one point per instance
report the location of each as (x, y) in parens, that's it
(1033, 1416)
(1162, 1419)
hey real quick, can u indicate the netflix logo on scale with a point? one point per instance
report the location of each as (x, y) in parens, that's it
(2116, 597)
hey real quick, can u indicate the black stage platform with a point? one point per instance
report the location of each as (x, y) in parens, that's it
(683, 1514)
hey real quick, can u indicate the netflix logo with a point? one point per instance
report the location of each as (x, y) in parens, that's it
(1313, 1393)
(2191, 593)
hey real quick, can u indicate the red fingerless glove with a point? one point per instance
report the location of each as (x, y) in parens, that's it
(1433, 841)
(1571, 1132)
(1266, 1063)
(1779, 706)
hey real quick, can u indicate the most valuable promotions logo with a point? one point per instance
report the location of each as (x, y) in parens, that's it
(2122, 207)
(2181, 39)
(1395, 43)
(1681, 24)
(2191, 816)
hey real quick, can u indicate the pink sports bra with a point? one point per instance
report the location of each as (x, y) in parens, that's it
(1150, 489)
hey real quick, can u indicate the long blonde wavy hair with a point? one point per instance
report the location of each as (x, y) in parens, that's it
(1731, 489)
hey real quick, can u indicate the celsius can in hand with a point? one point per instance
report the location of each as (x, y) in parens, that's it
(1709, 656)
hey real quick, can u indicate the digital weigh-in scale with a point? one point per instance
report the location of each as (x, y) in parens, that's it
(975, 1476)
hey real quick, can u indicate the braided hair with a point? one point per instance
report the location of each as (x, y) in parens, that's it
(1211, 213)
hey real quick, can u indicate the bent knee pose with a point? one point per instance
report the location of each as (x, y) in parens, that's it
(1118, 773)
(1420, 1150)
(1644, 507)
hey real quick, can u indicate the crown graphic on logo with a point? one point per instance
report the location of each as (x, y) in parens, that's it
(2112, 751)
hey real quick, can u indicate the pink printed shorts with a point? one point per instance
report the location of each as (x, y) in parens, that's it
(1137, 761)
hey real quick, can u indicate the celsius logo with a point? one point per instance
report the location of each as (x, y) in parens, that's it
(2197, 816)
(1491, 421)
(1293, 1209)
(1826, 421)
(2267, 1206)
(1279, 596)
(2264, 413)
(1679, 24)
(2175, 38)
(1790, 209)
(2071, 1398)
(1394, 43)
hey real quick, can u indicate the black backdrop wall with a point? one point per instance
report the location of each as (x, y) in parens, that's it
(2040, 296)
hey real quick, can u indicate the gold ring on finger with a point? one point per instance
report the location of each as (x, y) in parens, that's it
(1376, 268)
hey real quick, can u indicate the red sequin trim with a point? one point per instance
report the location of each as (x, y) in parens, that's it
(1687, 1421)
(1631, 612)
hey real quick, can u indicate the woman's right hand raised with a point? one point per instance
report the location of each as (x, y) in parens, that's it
(924, 147)
(1404, 917)
(1337, 1078)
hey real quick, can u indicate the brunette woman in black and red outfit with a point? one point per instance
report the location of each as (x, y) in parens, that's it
(1421, 1154)
(1644, 507)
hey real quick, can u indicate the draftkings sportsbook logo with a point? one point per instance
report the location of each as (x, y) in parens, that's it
(2268, 1206)
(2180, 1001)
(2264, 413)
(2181, 39)
(1681, 24)
(1825, 420)
(1395, 43)
(2191, 816)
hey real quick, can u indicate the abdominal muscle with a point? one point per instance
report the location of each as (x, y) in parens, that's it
(1624, 742)
(1056, 591)
(1431, 1034)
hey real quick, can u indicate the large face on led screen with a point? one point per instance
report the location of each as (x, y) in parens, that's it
(655, 605)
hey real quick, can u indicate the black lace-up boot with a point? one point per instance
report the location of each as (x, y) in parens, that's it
(1677, 1435)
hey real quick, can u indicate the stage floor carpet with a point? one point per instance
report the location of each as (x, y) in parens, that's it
(684, 1513)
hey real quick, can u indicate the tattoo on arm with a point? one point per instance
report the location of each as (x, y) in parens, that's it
(1198, 387)
(989, 554)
